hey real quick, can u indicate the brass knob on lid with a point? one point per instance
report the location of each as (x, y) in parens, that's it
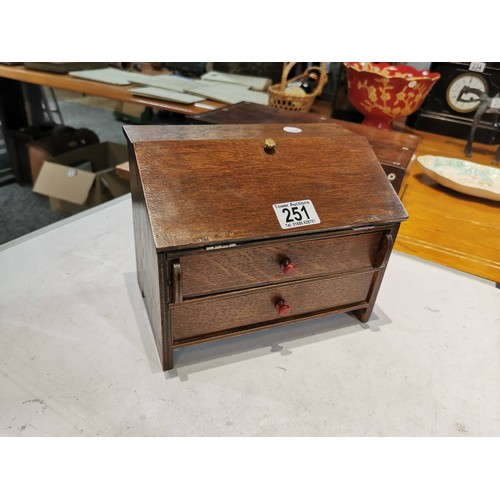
(270, 146)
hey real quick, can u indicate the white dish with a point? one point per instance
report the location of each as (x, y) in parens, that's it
(463, 176)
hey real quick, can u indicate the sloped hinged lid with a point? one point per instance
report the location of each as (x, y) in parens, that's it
(218, 184)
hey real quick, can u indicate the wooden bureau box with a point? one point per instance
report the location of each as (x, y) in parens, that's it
(243, 227)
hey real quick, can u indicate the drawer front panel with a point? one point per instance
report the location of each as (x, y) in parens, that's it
(234, 268)
(231, 311)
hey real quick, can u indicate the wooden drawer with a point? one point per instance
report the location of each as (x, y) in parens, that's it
(232, 311)
(235, 268)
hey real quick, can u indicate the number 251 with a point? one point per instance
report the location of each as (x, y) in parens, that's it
(296, 212)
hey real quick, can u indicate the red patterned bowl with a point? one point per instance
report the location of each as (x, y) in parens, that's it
(383, 92)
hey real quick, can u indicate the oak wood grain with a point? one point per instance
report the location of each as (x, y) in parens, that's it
(200, 187)
(391, 147)
(232, 183)
(226, 312)
(242, 267)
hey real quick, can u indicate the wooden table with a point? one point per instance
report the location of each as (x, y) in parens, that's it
(115, 92)
(447, 227)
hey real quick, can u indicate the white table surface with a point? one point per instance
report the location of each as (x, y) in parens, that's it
(77, 356)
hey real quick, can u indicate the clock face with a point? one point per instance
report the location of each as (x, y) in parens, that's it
(463, 92)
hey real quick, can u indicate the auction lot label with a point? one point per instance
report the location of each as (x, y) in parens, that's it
(296, 214)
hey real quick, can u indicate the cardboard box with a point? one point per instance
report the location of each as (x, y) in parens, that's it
(83, 178)
(18, 141)
(133, 113)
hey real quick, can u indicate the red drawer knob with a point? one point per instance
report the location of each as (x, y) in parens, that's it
(289, 268)
(283, 308)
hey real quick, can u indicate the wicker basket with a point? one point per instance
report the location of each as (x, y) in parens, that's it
(278, 98)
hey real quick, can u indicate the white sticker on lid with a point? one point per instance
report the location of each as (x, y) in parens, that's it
(292, 130)
(294, 214)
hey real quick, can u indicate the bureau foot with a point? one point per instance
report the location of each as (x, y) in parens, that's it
(363, 315)
(168, 360)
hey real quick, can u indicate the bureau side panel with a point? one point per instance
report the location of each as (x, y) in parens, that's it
(384, 254)
(150, 266)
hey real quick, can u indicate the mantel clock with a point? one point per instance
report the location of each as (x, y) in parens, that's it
(450, 106)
